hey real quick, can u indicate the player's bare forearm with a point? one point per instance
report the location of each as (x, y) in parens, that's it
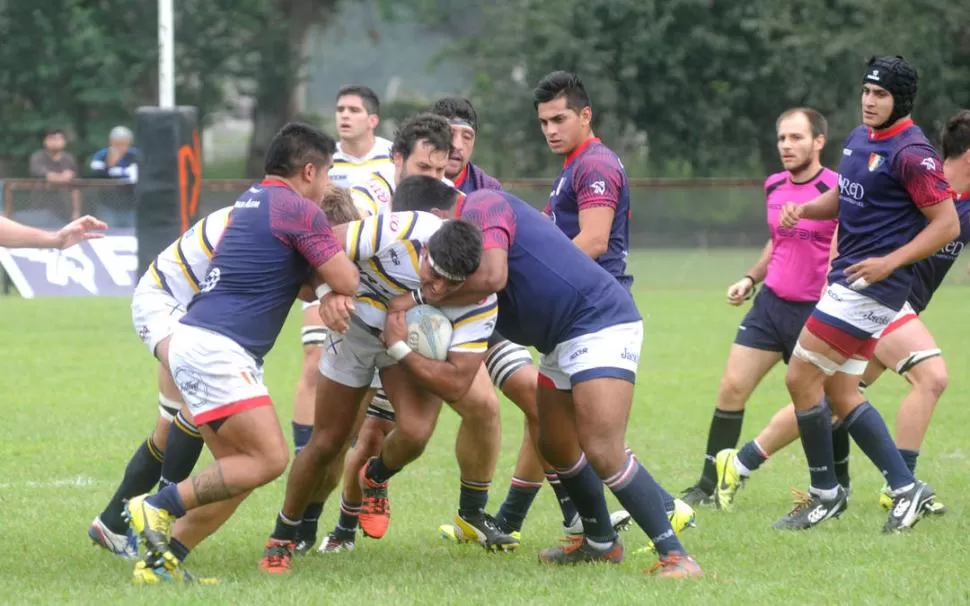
(340, 274)
(759, 270)
(490, 278)
(942, 227)
(823, 207)
(16, 235)
(594, 230)
(451, 379)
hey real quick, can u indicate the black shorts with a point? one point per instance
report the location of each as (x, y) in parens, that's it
(773, 323)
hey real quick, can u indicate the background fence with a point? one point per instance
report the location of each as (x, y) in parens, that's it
(667, 213)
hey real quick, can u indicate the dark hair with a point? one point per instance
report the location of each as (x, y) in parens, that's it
(424, 193)
(295, 146)
(451, 108)
(53, 130)
(456, 247)
(427, 127)
(956, 135)
(339, 205)
(561, 84)
(820, 126)
(371, 103)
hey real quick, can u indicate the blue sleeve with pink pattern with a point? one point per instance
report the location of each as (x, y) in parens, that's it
(492, 213)
(302, 226)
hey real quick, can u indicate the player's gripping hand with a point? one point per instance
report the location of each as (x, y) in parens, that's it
(402, 303)
(335, 311)
(740, 291)
(395, 328)
(791, 214)
(868, 272)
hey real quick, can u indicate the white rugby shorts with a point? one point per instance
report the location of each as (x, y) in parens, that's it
(216, 376)
(611, 352)
(154, 312)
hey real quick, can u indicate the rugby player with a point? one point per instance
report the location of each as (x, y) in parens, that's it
(396, 253)
(277, 238)
(906, 346)
(894, 208)
(793, 266)
(363, 166)
(509, 365)
(555, 298)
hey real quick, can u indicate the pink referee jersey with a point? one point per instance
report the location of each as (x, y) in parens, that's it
(800, 255)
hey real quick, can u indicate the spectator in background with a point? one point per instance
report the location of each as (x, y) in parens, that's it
(52, 162)
(118, 160)
(55, 165)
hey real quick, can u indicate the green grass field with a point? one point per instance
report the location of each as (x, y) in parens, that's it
(78, 395)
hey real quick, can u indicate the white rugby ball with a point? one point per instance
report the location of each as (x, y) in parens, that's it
(429, 332)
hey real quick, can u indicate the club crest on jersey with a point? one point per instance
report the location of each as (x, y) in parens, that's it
(928, 163)
(875, 161)
(598, 187)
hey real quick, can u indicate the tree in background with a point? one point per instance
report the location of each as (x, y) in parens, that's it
(86, 65)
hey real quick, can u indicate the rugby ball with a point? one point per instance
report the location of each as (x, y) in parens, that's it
(429, 332)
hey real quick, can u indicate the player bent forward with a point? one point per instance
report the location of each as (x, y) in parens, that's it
(415, 384)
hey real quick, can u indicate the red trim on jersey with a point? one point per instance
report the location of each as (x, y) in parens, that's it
(839, 340)
(964, 196)
(898, 323)
(461, 177)
(575, 153)
(274, 183)
(544, 381)
(888, 133)
(233, 408)
(461, 203)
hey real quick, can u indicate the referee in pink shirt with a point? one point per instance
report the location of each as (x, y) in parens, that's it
(793, 266)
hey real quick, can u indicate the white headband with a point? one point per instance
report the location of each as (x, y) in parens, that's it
(437, 269)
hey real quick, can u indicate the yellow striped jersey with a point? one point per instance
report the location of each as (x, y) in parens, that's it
(387, 251)
(349, 171)
(179, 268)
(373, 195)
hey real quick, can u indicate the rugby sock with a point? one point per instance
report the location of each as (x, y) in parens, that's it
(640, 495)
(310, 521)
(666, 497)
(840, 451)
(724, 433)
(182, 450)
(473, 498)
(285, 528)
(179, 549)
(909, 457)
(586, 492)
(378, 472)
(140, 477)
(301, 436)
(346, 528)
(815, 425)
(168, 499)
(566, 505)
(751, 456)
(518, 502)
(869, 431)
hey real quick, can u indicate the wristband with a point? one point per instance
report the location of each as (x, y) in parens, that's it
(750, 277)
(322, 290)
(398, 351)
(417, 296)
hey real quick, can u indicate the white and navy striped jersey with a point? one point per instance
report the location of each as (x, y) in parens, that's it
(387, 251)
(179, 268)
(349, 171)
